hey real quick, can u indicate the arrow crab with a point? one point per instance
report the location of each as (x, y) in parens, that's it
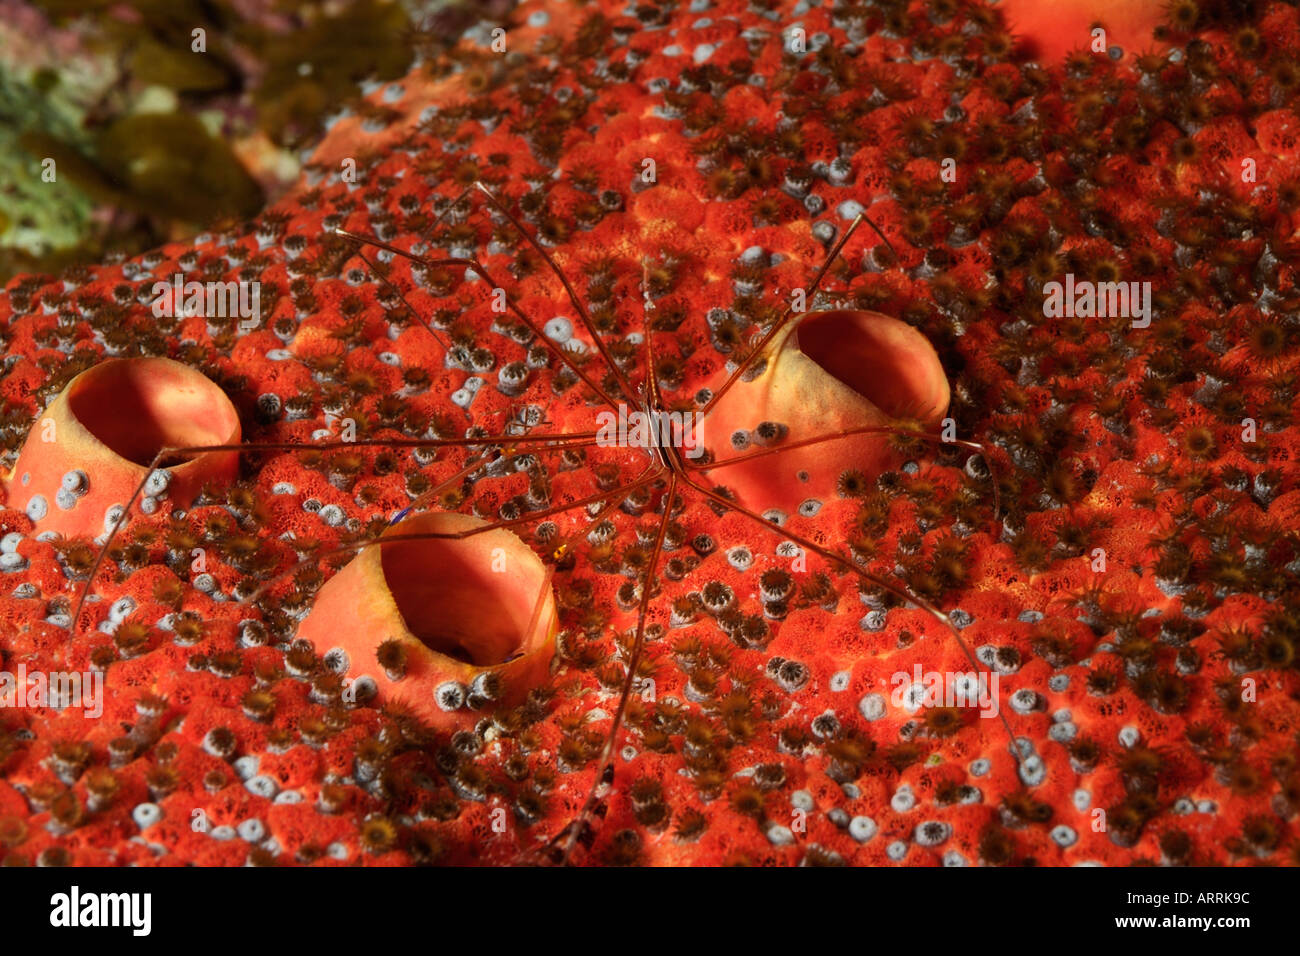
(527, 532)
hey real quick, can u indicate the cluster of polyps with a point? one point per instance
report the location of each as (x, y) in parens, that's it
(241, 300)
(1128, 300)
(945, 689)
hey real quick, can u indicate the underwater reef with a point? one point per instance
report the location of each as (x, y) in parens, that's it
(874, 249)
(163, 117)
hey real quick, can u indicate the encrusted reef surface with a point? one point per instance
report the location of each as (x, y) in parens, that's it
(689, 167)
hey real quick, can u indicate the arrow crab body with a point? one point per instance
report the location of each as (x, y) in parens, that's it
(527, 535)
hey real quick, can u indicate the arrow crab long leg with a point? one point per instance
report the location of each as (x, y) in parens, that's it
(900, 431)
(548, 441)
(677, 471)
(897, 589)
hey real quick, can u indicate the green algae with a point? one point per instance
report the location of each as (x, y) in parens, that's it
(131, 172)
(169, 165)
(310, 72)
